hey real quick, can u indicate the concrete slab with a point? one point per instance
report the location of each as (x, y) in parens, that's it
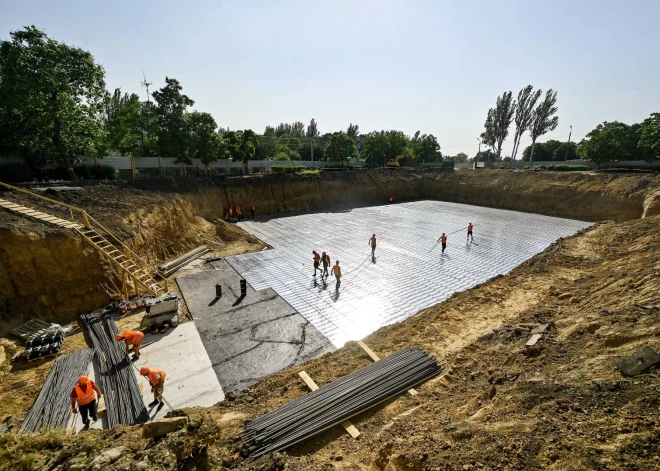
(190, 379)
(247, 338)
(408, 273)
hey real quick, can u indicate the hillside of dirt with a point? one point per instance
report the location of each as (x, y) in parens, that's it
(563, 406)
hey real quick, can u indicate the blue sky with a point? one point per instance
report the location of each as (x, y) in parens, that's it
(434, 65)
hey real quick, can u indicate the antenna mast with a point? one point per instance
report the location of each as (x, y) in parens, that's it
(146, 85)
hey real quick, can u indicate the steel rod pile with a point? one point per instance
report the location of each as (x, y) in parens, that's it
(52, 409)
(123, 401)
(338, 401)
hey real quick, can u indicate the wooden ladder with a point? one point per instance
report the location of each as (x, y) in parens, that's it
(131, 266)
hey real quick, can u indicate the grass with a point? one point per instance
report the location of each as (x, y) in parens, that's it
(310, 172)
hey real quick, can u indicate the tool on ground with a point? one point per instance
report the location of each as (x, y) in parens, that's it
(339, 401)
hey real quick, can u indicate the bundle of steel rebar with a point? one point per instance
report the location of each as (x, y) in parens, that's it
(338, 401)
(123, 401)
(52, 408)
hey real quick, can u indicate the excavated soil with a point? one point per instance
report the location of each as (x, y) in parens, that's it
(564, 407)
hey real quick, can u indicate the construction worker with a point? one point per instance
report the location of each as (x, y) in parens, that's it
(337, 272)
(239, 215)
(372, 241)
(443, 239)
(252, 211)
(317, 259)
(325, 259)
(469, 233)
(133, 338)
(85, 394)
(231, 212)
(157, 381)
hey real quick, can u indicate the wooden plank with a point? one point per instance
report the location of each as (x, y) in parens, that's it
(375, 357)
(349, 427)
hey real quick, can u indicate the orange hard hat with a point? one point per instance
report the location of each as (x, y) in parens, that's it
(144, 370)
(119, 337)
(83, 380)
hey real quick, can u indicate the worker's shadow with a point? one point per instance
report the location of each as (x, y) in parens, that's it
(373, 259)
(334, 296)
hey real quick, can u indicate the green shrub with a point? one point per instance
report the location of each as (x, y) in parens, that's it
(103, 172)
(551, 167)
(568, 168)
(526, 167)
(15, 173)
(282, 169)
(310, 172)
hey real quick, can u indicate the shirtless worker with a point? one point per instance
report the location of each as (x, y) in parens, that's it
(443, 239)
(133, 338)
(157, 381)
(317, 259)
(325, 259)
(372, 241)
(337, 272)
(84, 394)
(469, 232)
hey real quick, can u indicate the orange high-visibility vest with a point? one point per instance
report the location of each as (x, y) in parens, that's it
(336, 270)
(317, 257)
(84, 396)
(444, 239)
(152, 372)
(373, 241)
(327, 259)
(133, 337)
(469, 227)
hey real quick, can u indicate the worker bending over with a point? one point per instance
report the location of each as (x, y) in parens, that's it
(84, 393)
(133, 338)
(337, 272)
(157, 381)
(325, 259)
(372, 241)
(443, 239)
(317, 259)
(469, 232)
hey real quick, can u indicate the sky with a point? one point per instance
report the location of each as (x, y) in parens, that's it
(431, 65)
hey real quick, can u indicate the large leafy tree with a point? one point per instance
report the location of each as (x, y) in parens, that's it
(498, 122)
(544, 119)
(171, 107)
(51, 97)
(204, 143)
(527, 99)
(427, 148)
(340, 147)
(609, 141)
(375, 149)
(353, 131)
(132, 126)
(649, 137)
(551, 150)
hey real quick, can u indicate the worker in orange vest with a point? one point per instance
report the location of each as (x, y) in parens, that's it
(372, 241)
(325, 259)
(337, 272)
(133, 338)
(443, 239)
(317, 259)
(231, 212)
(239, 215)
(469, 233)
(156, 379)
(84, 393)
(252, 211)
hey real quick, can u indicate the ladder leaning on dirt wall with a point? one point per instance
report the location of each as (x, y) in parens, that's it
(133, 269)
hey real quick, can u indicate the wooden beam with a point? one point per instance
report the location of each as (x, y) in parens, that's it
(375, 357)
(349, 427)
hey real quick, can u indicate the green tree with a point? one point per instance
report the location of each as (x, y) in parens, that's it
(269, 131)
(649, 138)
(498, 122)
(204, 143)
(353, 131)
(171, 110)
(527, 99)
(427, 148)
(312, 130)
(375, 149)
(460, 157)
(132, 126)
(485, 156)
(609, 141)
(51, 98)
(340, 147)
(543, 120)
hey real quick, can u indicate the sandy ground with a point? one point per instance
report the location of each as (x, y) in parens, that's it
(564, 407)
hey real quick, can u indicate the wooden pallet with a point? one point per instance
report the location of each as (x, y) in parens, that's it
(31, 329)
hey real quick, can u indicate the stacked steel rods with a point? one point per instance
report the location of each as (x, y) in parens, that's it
(339, 401)
(52, 409)
(123, 401)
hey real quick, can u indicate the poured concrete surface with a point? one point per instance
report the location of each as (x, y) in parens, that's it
(408, 273)
(190, 379)
(247, 339)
